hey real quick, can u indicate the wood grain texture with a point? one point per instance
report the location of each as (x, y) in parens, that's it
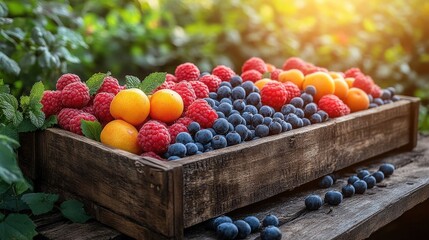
(126, 184)
(356, 217)
(224, 180)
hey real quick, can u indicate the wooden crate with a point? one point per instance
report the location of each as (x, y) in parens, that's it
(150, 199)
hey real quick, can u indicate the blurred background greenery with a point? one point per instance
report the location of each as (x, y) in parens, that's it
(387, 39)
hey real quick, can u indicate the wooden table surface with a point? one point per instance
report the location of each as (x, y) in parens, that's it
(355, 218)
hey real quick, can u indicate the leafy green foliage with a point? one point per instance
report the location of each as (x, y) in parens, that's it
(95, 81)
(132, 81)
(17, 226)
(9, 169)
(74, 211)
(40, 203)
(91, 129)
(152, 81)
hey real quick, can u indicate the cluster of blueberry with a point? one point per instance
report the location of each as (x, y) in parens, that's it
(226, 229)
(387, 96)
(355, 184)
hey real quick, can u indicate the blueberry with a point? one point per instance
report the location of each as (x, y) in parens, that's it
(193, 127)
(395, 98)
(297, 102)
(244, 229)
(247, 117)
(352, 179)
(326, 182)
(279, 115)
(392, 90)
(177, 149)
(226, 231)
(239, 105)
(251, 109)
(233, 138)
(212, 131)
(262, 131)
(250, 135)
(257, 119)
(216, 103)
(172, 158)
(372, 105)
(270, 220)
(267, 121)
(299, 113)
(220, 114)
(313, 202)
(184, 138)
(226, 100)
(248, 87)
(271, 233)
(333, 198)
(218, 141)
(286, 126)
(278, 120)
(225, 108)
(253, 99)
(234, 112)
(223, 92)
(306, 122)
(266, 111)
(203, 136)
(200, 146)
(295, 121)
(253, 223)
(310, 109)
(236, 81)
(258, 106)
(213, 95)
(362, 173)
(387, 169)
(235, 119)
(226, 84)
(348, 190)
(315, 118)
(242, 131)
(230, 127)
(275, 128)
(199, 152)
(360, 186)
(379, 176)
(238, 93)
(385, 95)
(310, 89)
(288, 108)
(210, 101)
(221, 126)
(191, 149)
(307, 98)
(370, 181)
(378, 101)
(334, 177)
(324, 115)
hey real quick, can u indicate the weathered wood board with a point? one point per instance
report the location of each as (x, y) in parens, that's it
(150, 199)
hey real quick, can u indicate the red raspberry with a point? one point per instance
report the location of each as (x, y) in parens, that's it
(251, 75)
(254, 63)
(89, 109)
(65, 115)
(211, 81)
(171, 78)
(154, 137)
(376, 91)
(187, 72)
(201, 90)
(152, 155)
(184, 120)
(51, 101)
(333, 106)
(66, 79)
(352, 72)
(110, 85)
(274, 94)
(312, 69)
(363, 82)
(292, 91)
(294, 63)
(75, 95)
(185, 90)
(201, 112)
(165, 85)
(75, 122)
(102, 107)
(223, 72)
(175, 129)
(275, 74)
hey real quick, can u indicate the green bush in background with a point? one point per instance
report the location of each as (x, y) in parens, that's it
(387, 39)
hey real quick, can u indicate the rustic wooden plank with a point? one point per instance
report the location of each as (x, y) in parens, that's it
(265, 167)
(27, 154)
(356, 217)
(124, 183)
(414, 126)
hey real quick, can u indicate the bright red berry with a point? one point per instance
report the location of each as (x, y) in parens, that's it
(251, 75)
(294, 63)
(187, 72)
(201, 90)
(66, 79)
(275, 74)
(65, 115)
(75, 95)
(154, 137)
(254, 63)
(185, 90)
(274, 94)
(211, 81)
(102, 107)
(110, 85)
(201, 112)
(363, 82)
(376, 91)
(152, 155)
(184, 120)
(76, 121)
(223, 72)
(292, 91)
(170, 77)
(51, 101)
(165, 85)
(333, 106)
(175, 129)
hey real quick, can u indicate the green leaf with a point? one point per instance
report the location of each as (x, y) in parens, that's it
(132, 81)
(266, 75)
(40, 203)
(9, 132)
(152, 81)
(9, 65)
(91, 129)
(3, 9)
(95, 81)
(26, 126)
(49, 122)
(11, 202)
(72, 37)
(17, 227)
(3, 87)
(36, 92)
(14, 144)
(4, 186)
(9, 169)
(22, 186)
(24, 101)
(73, 210)
(9, 106)
(37, 117)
